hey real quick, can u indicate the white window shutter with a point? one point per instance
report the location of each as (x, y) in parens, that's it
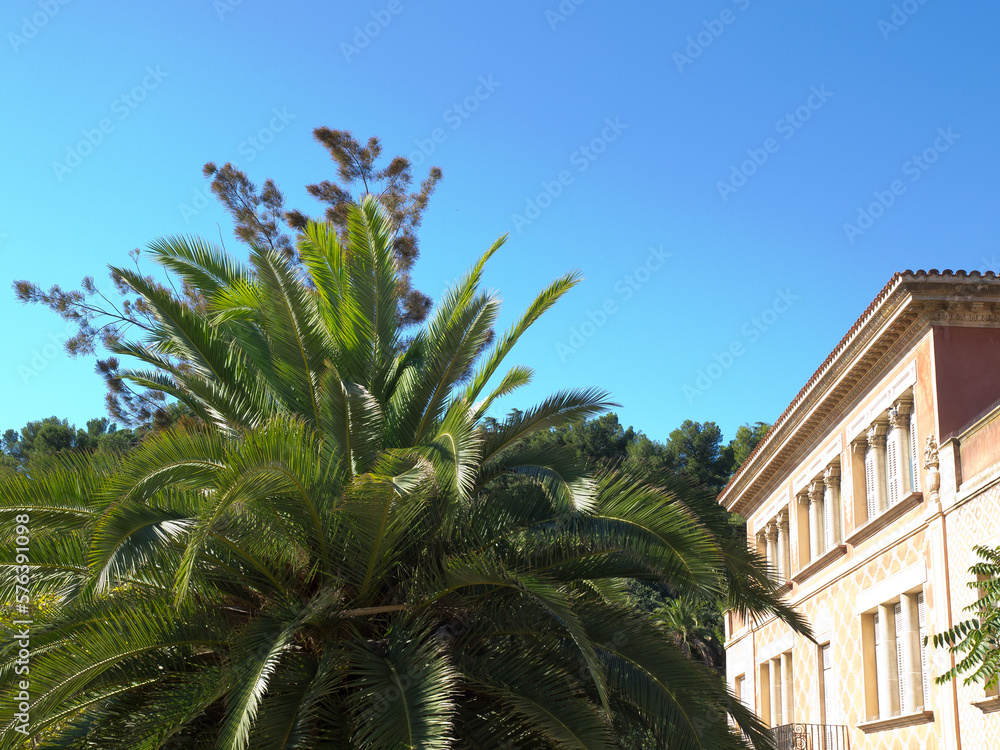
(870, 482)
(892, 467)
(914, 455)
(905, 699)
(827, 523)
(924, 670)
(831, 713)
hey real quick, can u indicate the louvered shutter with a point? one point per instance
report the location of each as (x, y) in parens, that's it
(924, 670)
(830, 713)
(827, 522)
(905, 699)
(870, 481)
(914, 456)
(892, 467)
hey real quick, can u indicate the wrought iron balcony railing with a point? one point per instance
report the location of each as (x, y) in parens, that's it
(812, 737)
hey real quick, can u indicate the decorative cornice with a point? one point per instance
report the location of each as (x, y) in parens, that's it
(897, 722)
(885, 518)
(820, 562)
(909, 304)
(988, 706)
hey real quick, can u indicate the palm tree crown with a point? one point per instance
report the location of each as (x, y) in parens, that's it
(347, 554)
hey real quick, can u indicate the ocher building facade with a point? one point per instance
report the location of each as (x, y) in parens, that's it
(867, 497)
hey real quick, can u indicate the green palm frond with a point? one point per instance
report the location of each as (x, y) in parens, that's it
(342, 551)
(205, 266)
(404, 689)
(542, 303)
(564, 407)
(299, 343)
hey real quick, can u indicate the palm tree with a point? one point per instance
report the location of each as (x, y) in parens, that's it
(346, 554)
(695, 625)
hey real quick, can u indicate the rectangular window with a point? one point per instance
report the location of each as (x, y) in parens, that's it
(741, 695)
(897, 677)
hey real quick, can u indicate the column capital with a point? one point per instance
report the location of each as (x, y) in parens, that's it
(899, 414)
(772, 531)
(782, 520)
(816, 490)
(876, 435)
(902, 407)
(831, 476)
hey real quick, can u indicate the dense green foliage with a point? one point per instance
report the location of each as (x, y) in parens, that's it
(976, 641)
(696, 464)
(43, 438)
(342, 553)
(694, 450)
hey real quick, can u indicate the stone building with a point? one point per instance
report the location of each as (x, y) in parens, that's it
(867, 497)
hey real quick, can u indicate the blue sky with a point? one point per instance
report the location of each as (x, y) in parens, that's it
(736, 180)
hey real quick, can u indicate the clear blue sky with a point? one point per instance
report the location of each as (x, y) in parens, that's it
(704, 159)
